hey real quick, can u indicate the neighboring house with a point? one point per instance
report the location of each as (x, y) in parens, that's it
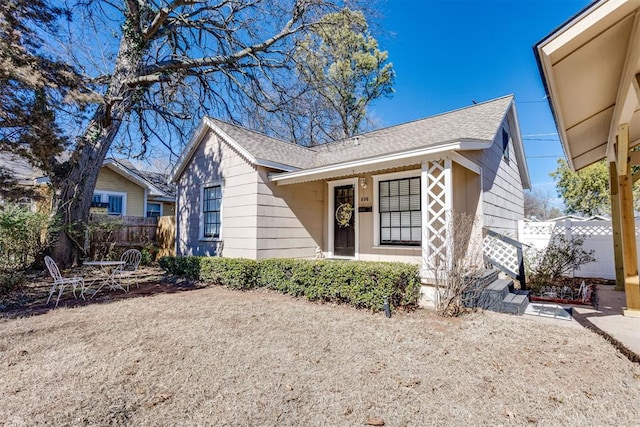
(121, 189)
(383, 195)
(30, 178)
(124, 190)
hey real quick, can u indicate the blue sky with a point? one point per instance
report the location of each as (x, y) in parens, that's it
(447, 53)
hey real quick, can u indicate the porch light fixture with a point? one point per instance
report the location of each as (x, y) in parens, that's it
(363, 182)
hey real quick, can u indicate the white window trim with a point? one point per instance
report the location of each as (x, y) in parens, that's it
(201, 211)
(330, 216)
(413, 173)
(104, 197)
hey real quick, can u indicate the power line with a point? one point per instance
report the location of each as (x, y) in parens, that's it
(544, 157)
(541, 134)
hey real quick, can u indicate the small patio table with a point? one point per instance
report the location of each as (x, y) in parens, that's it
(107, 277)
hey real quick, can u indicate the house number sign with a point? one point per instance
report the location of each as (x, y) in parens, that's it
(365, 201)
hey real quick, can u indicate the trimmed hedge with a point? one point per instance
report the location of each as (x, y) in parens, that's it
(358, 283)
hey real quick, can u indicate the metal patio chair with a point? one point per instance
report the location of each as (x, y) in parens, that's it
(128, 271)
(62, 282)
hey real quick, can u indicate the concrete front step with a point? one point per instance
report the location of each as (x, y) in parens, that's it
(478, 282)
(483, 278)
(492, 296)
(491, 293)
(515, 303)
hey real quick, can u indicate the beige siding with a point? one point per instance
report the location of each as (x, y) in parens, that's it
(367, 251)
(502, 193)
(109, 180)
(290, 218)
(215, 161)
(466, 190)
(168, 209)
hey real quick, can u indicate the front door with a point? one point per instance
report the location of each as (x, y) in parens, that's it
(344, 232)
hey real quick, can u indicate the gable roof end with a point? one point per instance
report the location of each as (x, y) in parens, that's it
(128, 171)
(255, 147)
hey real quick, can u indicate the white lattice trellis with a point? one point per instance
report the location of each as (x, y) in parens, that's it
(501, 252)
(591, 230)
(533, 228)
(436, 224)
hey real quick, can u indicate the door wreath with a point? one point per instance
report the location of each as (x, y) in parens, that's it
(344, 214)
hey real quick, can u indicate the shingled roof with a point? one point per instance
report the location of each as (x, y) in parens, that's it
(157, 182)
(479, 122)
(268, 148)
(20, 168)
(476, 122)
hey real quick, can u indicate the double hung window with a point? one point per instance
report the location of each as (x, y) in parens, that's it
(154, 210)
(116, 202)
(399, 210)
(212, 198)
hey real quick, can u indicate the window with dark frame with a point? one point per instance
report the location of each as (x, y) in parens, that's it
(211, 211)
(505, 144)
(400, 214)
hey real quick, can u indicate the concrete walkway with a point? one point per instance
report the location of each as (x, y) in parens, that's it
(607, 319)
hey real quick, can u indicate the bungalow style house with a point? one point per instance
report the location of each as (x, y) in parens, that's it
(121, 189)
(381, 196)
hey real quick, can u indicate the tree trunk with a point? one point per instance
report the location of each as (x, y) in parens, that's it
(75, 196)
(76, 189)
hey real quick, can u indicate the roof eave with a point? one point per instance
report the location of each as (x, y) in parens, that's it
(115, 166)
(189, 150)
(518, 145)
(207, 124)
(339, 169)
(572, 31)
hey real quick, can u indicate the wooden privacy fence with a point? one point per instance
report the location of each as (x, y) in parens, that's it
(110, 233)
(166, 236)
(597, 235)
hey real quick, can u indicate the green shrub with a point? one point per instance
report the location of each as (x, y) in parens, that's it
(149, 254)
(9, 282)
(103, 231)
(188, 267)
(562, 257)
(23, 240)
(361, 284)
(235, 273)
(23, 237)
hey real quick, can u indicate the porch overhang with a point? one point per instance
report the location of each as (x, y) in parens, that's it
(590, 68)
(389, 161)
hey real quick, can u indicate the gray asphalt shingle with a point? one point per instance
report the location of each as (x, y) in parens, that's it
(476, 122)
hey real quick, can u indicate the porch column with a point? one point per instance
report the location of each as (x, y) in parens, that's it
(616, 226)
(627, 225)
(424, 200)
(436, 203)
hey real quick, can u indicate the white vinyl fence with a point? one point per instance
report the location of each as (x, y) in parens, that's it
(597, 235)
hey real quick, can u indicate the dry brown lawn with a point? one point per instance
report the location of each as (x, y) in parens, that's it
(219, 357)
